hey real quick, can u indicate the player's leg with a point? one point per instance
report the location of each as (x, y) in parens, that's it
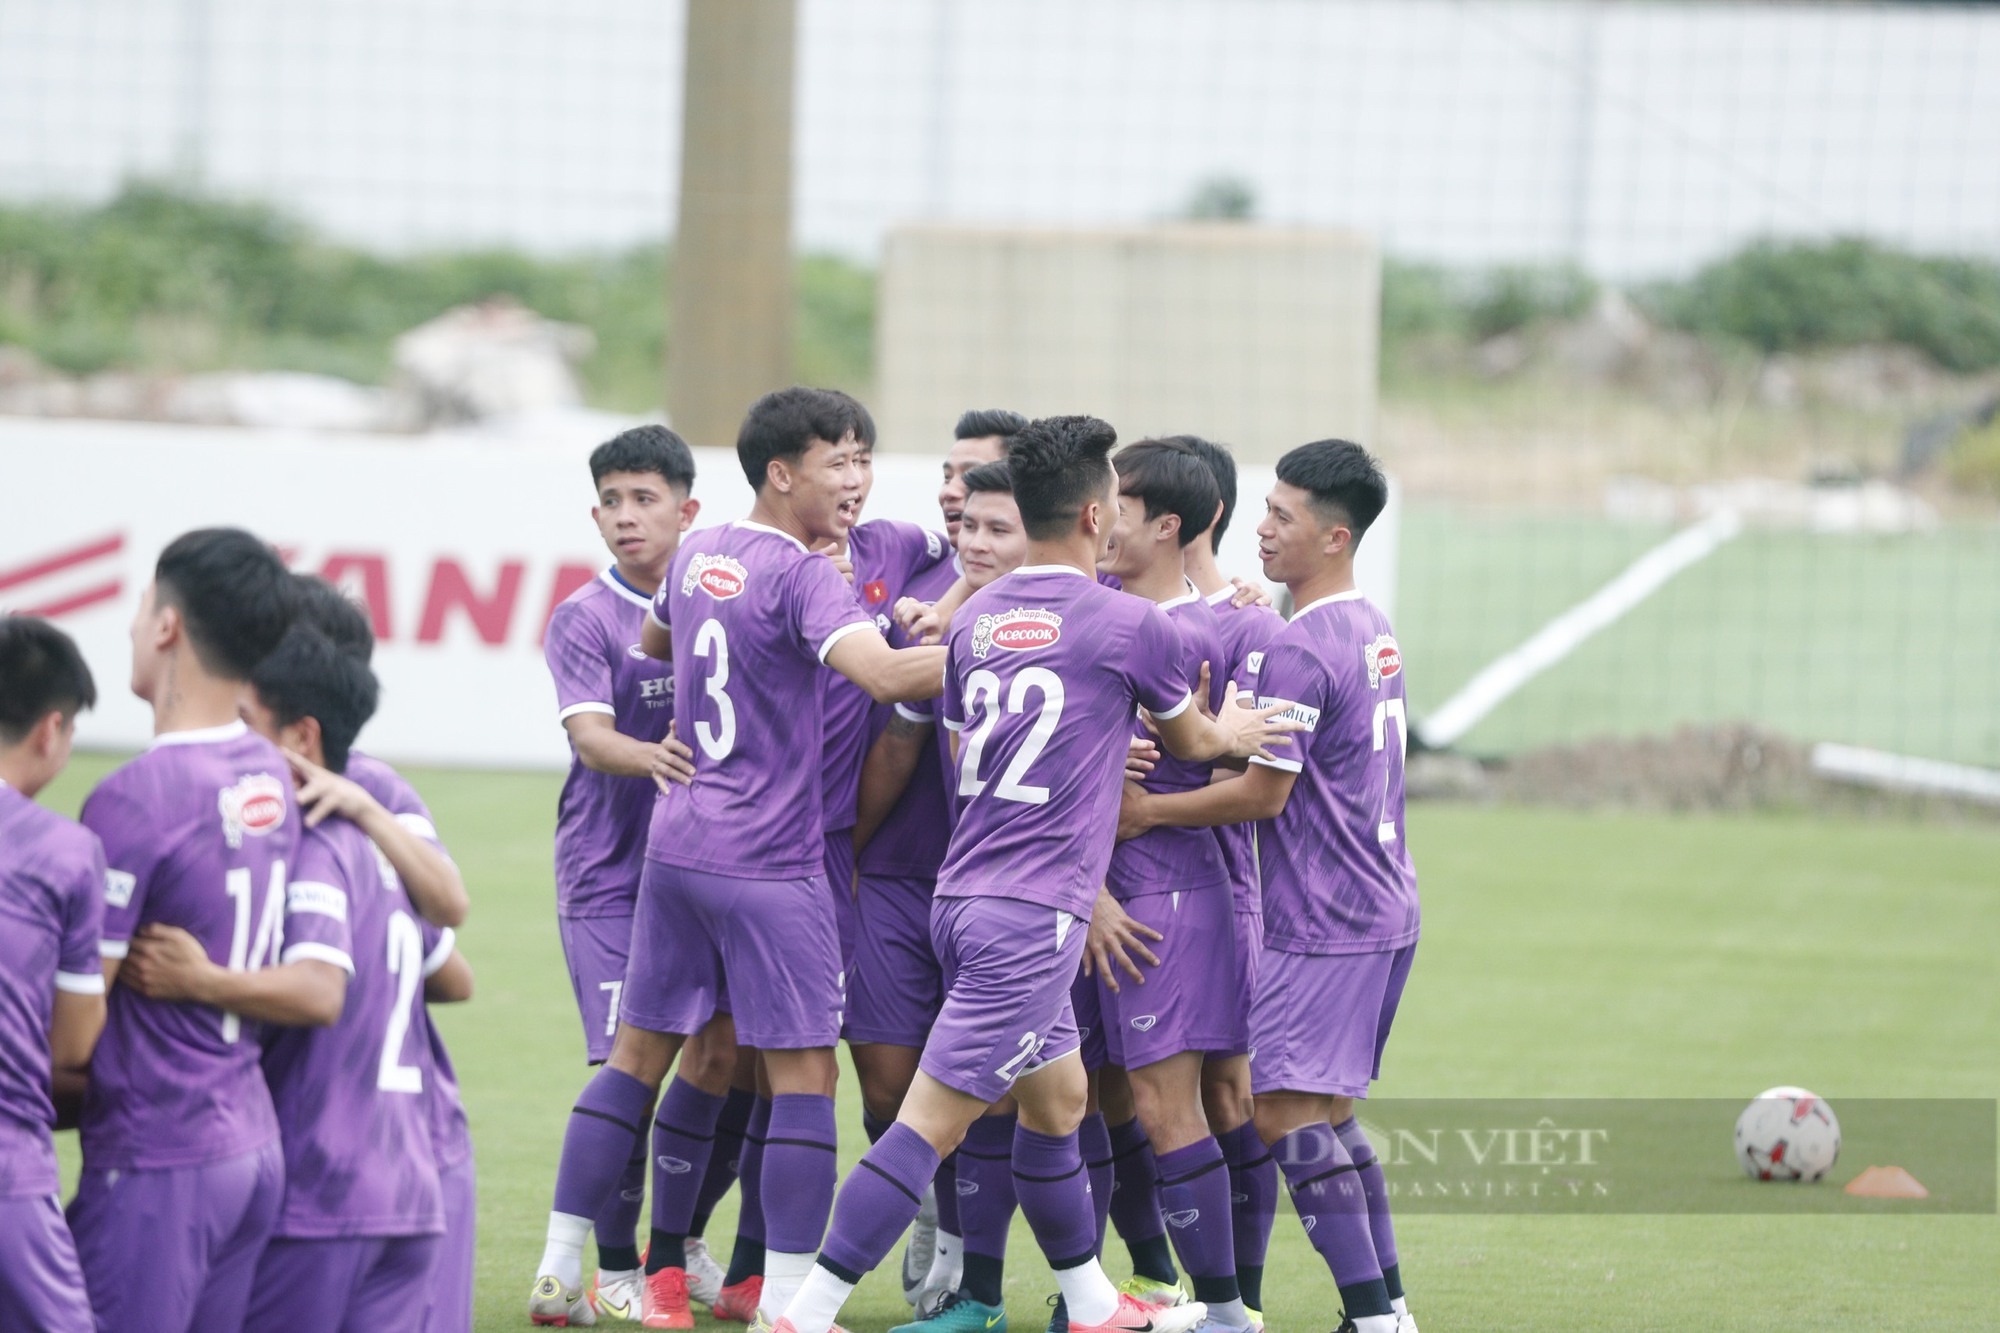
(672, 978)
(451, 1280)
(596, 949)
(1313, 1057)
(781, 954)
(1095, 1133)
(743, 1283)
(682, 1140)
(41, 1279)
(306, 1286)
(1253, 1172)
(706, 1277)
(1348, 1129)
(1194, 1181)
(258, 1179)
(1134, 1208)
(395, 1284)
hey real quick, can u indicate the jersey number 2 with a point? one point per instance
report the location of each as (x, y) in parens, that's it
(982, 693)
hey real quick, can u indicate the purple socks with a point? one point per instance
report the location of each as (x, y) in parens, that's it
(1194, 1197)
(879, 1200)
(1054, 1197)
(1326, 1188)
(1253, 1186)
(609, 1115)
(1379, 1224)
(683, 1138)
(800, 1151)
(1093, 1138)
(725, 1158)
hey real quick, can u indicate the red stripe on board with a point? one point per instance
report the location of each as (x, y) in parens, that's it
(103, 592)
(56, 563)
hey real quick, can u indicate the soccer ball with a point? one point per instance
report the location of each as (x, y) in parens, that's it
(1787, 1134)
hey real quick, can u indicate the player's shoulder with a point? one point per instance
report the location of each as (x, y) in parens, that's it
(45, 835)
(877, 533)
(334, 849)
(380, 780)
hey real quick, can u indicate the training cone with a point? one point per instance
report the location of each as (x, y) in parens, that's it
(1887, 1182)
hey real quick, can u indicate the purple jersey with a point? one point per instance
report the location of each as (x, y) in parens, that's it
(351, 1097)
(592, 648)
(199, 832)
(888, 557)
(913, 838)
(51, 908)
(450, 1133)
(1046, 665)
(1167, 858)
(753, 615)
(1247, 631)
(1336, 868)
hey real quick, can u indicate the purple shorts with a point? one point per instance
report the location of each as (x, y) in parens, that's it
(1089, 1017)
(894, 984)
(1185, 1004)
(164, 1248)
(451, 1278)
(1321, 1020)
(775, 941)
(355, 1284)
(1240, 991)
(1007, 969)
(840, 877)
(596, 948)
(41, 1282)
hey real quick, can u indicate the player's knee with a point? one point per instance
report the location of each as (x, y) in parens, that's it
(709, 1061)
(1225, 1097)
(1052, 1101)
(644, 1055)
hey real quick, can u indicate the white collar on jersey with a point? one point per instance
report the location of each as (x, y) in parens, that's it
(1191, 595)
(228, 731)
(1050, 569)
(632, 595)
(1351, 595)
(775, 532)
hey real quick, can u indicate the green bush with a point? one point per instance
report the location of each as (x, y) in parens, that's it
(1797, 297)
(1973, 461)
(1513, 298)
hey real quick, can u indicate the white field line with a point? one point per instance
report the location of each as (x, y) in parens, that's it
(1561, 636)
(1902, 772)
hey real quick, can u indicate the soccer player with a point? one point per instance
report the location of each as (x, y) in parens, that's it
(51, 982)
(1174, 882)
(897, 834)
(734, 887)
(181, 1162)
(417, 860)
(617, 706)
(347, 1057)
(1339, 892)
(1046, 668)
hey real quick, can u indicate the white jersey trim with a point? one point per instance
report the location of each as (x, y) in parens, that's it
(80, 983)
(1193, 594)
(307, 951)
(418, 825)
(113, 949)
(1221, 595)
(442, 954)
(228, 731)
(1351, 595)
(853, 627)
(909, 714)
(610, 580)
(775, 532)
(654, 616)
(1282, 765)
(589, 706)
(1187, 700)
(1052, 569)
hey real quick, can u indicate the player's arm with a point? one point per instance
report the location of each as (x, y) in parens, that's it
(1190, 733)
(1258, 793)
(885, 773)
(605, 749)
(656, 639)
(929, 624)
(890, 675)
(75, 1023)
(167, 963)
(430, 877)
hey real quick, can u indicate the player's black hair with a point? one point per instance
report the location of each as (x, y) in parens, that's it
(645, 449)
(309, 675)
(982, 422)
(234, 594)
(1059, 464)
(41, 672)
(1223, 465)
(1345, 482)
(996, 477)
(1171, 479)
(783, 424)
(332, 612)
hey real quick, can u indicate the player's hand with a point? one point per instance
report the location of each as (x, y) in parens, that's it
(929, 627)
(673, 761)
(843, 559)
(1140, 756)
(1114, 938)
(1201, 693)
(1134, 817)
(165, 963)
(1249, 594)
(1252, 730)
(906, 610)
(323, 792)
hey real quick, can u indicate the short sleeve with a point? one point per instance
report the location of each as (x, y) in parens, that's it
(317, 924)
(79, 966)
(1290, 673)
(951, 706)
(822, 606)
(439, 941)
(661, 612)
(1156, 666)
(131, 862)
(919, 550)
(580, 662)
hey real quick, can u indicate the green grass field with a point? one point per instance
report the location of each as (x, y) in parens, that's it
(1564, 955)
(1879, 641)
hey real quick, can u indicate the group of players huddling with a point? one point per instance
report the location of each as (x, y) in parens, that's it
(1108, 894)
